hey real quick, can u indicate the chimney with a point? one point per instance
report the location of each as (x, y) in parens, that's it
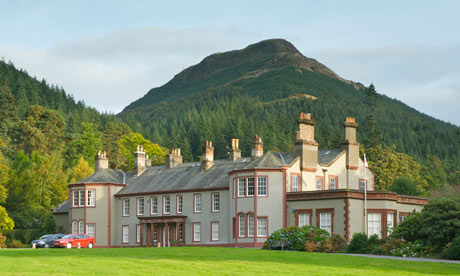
(350, 144)
(101, 161)
(235, 152)
(139, 160)
(207, 159)
(173, 159)
(257, 147)
(305, 145)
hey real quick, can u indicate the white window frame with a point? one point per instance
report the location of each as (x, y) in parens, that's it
(166, 205)
(250, 186)
(331, 180)
(180, 204)
(215, 202)
(198, 203)
(125, 233)
(154, 205)
(140, 210)
(262, 186)
(74, 227)
(89, 227)
(319, 183)
(81, 227)
(91, 197)
(374, 224)
(125, 207)
(138, 233)
(295, 183)
(155, 233)
(390, 222)
(76, 198)
(241, 187)
(262, 226)
(303, 219)
(241, 226)
(196, 231)
(81, 196)
(325, 221)
(214, 231)
(250, 225)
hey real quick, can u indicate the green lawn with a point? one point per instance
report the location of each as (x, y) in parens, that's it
(202, 261)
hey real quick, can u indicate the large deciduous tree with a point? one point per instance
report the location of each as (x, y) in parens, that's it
(129, 143)
(89, 142)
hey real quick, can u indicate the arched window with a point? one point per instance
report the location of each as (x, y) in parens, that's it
(242, 225)
(81, 228)
(250, 225)
(74, 227)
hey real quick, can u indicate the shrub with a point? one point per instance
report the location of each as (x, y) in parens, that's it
(359, 244)
(453, 250)
(409, 249)
(391, 244)
(15, 244)
(308, 238)
(2, 241)
(339, 243)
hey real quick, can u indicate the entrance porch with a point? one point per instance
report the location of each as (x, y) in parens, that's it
(164, 231)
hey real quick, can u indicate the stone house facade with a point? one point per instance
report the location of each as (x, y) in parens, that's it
(233, 202)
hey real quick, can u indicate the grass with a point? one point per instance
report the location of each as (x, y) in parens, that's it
(204, 261)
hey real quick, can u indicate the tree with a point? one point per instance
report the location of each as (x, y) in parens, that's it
(112, 135)
(6, 223)
(8, 112)
(434, 172)
(42, 130)
(89, 142)
(81, 171)
(372, 133)
(405, 186)
(129, 143)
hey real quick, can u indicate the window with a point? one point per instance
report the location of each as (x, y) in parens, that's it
(181, 231)
(250, 191)
(250, 225)
(197, 203)
(138, 233)
(295, 183)
(81, 228)
(196, 232)
(155, 233)
(242, 226)
(303, 219)
(74, 227)
(154, 205)
(90, 198)
(215, 202)
(179, 204)
(374, 224)
(75, 198)
(241, 187)
(166, 205)
(390, 222)
(262, 186)
(125, 233)
(126, 207)
(214, 231)
(82, 198)
(402, 218)
(319, 183)
(140, 206)
(91, 229)
(332, 182)
(261, 227)
(325, 221)
(362, 184)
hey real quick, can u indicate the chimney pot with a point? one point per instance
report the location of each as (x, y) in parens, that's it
(207, 160)
(235, 152)
(173, 159)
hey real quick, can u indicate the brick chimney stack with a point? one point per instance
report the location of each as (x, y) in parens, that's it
(139, 160)
(350, 144)
(173, 159)
(257, 147)
(101, 161)
(305, 145)
(207, 160)
(235, 152)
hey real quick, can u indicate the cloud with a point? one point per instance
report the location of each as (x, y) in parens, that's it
(426, 78)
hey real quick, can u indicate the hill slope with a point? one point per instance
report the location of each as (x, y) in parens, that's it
(256, 90)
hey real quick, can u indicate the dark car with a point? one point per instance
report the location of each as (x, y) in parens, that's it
(72, 240)
(47, 241)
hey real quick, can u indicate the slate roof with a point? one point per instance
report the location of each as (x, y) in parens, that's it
(104, 176)
(183, 177)
(327, 156)
(62, 208)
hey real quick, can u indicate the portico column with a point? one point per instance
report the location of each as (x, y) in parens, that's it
(166, 235)
(141, 234)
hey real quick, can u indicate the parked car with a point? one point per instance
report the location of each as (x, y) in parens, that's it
(72, 240)
(46, 241)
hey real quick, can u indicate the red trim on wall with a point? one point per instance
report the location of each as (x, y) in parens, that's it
(84, 212)
(284, 199)
(347, 218)
(175, 191)
(254, 170)
(256, 187)
(109, 217)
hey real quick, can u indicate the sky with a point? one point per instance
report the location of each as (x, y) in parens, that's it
(110, 53)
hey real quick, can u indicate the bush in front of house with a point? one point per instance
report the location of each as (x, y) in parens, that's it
(409, 249)
(362, 244)
(452, 252)
(15, 244)
(2, 241)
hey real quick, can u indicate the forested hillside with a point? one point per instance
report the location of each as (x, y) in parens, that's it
(261, 90)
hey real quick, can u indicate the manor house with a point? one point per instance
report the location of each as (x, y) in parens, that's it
(234, 202)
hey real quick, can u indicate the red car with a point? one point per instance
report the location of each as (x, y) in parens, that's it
(72, 240)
